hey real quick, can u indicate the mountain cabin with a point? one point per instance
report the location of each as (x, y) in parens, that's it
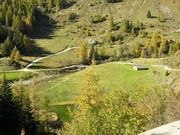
(140, 67)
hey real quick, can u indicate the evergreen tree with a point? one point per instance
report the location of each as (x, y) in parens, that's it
(96, 54)
(4, 49)
(20, 25)
(7, 47)
(9, 111)
(7, 20)
(27, 44)
(29, 24)
(12, 56)
(149, 14)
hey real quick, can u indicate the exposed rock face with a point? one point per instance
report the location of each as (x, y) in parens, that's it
(168, 129)
(92, 42)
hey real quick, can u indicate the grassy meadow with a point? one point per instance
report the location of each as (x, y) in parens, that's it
(111, 75)
(17, 75)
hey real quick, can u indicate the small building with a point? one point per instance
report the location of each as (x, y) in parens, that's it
(140, 67)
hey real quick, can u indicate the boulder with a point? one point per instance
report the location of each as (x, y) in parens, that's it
(92, 42)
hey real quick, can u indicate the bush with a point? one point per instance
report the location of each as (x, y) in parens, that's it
(72, 16)
(98, 18)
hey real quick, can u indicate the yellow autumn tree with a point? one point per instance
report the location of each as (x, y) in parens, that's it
(17, 56)
(83, 53)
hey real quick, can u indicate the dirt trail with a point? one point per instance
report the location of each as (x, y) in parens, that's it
(29, 65)
(132, 13)
(161, 66)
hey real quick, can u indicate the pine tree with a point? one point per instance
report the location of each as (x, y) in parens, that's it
(149, 14)
(7, 47)
(20, 25)
(27, 44)
(9, 111)
(7, 20)
(4, 49)
(29, 24)
(96, 54)
(13, 54)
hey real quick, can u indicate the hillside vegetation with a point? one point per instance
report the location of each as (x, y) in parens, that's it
(67, 66)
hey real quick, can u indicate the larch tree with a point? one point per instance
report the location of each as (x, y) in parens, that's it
(102, 51)
(13, 54)
(111, 23)
(83, 53)
(142, 54)
(91, 53)
(17, 56)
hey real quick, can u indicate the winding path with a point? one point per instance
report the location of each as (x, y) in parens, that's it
(29, 65)
(161, 66)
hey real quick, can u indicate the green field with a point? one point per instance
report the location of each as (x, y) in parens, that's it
(111, 75)
(62, 111)
(17, 75)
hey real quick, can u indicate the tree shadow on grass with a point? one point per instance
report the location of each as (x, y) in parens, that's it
(45, 31)
(154, 17)
(39, 67)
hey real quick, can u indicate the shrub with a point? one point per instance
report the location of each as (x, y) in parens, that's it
(72, 16)
(98, 18)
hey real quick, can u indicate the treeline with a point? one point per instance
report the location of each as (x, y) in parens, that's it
(57, 4)
(19, 15)
(17, 20)
(157, 45)
(92, 55)
(16, 114)
(19, 112)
